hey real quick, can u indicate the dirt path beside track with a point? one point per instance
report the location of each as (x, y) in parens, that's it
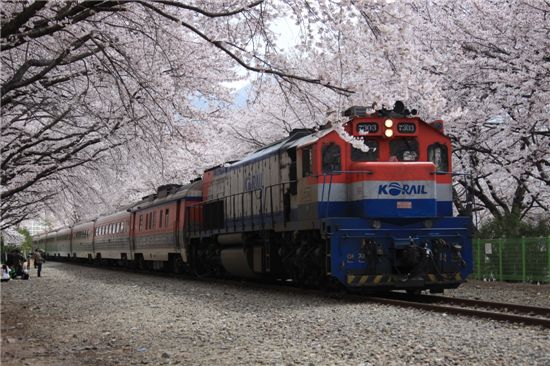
(77, 315)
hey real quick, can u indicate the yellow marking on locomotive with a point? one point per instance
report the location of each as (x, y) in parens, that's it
(458, 277)
(362, 280)
(432, 277)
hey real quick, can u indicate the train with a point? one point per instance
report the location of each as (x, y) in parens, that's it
(364, 205)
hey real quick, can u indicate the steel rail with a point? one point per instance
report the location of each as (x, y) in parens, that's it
(502, 316)
(516, 308)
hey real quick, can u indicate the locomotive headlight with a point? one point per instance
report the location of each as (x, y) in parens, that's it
(388, 132)
(376, 224)
(388, 123)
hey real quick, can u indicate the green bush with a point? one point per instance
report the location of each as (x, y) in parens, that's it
(511, 226)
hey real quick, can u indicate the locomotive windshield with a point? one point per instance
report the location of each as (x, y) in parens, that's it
(437, 154)
(370, 155)
(404, 149)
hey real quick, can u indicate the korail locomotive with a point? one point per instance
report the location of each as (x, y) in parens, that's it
(315, 209)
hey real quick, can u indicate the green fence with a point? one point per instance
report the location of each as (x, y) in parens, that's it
(523, 259)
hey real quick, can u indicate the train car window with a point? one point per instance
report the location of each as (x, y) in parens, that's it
(370, 155)
(154, 219)
(307, 162)
(437, 154)
(331, 158)
(405, 149)
(167, 216)
(161, 212)
(140, 222)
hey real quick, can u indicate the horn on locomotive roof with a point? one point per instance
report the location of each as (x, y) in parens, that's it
(398, 110)
(355, 111)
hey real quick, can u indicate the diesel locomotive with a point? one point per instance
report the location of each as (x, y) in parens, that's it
(366, 205)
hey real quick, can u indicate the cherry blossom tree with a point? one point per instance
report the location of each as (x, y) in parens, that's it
(493, 60)
(82, 79)
(481, 65)
(104, 95)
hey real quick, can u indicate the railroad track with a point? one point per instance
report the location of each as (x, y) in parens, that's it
(528, 315)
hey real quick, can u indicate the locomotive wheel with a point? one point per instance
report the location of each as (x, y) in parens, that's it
(176, 264)
(298, 276)
(199, 263)
(139, 263)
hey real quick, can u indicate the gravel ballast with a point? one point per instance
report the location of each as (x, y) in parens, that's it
(78, 315)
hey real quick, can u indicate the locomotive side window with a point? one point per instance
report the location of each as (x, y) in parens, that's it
(307, 162)
(331, 158)
(404, 149)
(370, 155)
(437, 154)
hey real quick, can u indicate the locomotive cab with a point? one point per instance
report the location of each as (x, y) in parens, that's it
(395, 176)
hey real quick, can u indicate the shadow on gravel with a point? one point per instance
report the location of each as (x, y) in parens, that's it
(226, 294)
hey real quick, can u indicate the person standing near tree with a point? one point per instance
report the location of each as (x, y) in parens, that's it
(38, 261)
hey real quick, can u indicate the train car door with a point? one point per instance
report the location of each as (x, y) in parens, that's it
(306, 179)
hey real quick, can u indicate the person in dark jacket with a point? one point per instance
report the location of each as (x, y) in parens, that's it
(38, 261)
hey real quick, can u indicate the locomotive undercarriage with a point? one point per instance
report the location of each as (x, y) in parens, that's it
(391, 262)
(296, 256)
(360, 259)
